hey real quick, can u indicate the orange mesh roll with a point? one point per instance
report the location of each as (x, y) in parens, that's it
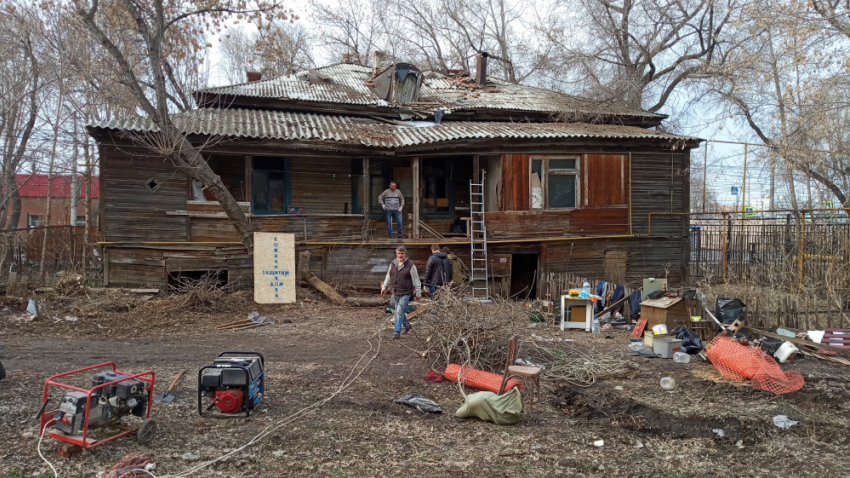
(479, 379)
(740, 362)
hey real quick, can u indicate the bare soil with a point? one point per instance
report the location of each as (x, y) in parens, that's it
(360, 432)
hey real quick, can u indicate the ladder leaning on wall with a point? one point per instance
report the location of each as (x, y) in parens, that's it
(478, 241)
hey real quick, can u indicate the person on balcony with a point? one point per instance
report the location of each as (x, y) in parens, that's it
(392, 200)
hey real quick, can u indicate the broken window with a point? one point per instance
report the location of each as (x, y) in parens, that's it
(231, 171)
(554, 183)
(270, 185)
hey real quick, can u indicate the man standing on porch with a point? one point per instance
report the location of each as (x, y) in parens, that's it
(403, 279)
(392, 200)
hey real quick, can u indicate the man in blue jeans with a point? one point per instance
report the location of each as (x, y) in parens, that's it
(403, 279)
(392, 200)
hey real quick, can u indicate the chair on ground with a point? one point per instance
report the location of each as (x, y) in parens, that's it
(530, 376)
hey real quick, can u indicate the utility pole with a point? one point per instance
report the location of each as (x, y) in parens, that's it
(772, 184)
(75, 183)
(704, 175)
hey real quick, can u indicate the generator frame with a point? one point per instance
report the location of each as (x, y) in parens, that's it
(85, 441)
(262, 385)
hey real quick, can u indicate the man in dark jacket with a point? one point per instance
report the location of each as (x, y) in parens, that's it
(403, 278)
(438, 270)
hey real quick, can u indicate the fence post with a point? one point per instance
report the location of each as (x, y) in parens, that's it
(725, 231)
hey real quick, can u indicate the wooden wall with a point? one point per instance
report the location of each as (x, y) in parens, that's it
(131, 211)
(321, 185)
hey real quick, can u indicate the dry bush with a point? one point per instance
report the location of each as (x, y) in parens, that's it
(194, 293)
(475, 335)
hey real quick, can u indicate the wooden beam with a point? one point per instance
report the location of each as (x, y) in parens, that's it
(807, 343)
(417, 193)
(476, 167)
(366, 198)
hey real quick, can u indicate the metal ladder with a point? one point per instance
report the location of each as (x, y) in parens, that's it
(478, 241)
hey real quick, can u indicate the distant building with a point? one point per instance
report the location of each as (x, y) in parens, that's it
(33, 191)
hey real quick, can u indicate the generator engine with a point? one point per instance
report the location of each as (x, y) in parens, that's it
(233, 384)
(107, 406)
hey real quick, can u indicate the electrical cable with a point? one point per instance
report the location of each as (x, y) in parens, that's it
(38, 448)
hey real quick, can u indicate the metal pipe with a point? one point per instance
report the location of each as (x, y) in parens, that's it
(724, 248)
(802, 245)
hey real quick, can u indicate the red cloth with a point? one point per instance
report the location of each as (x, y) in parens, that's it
(479, 379)
(434, 376)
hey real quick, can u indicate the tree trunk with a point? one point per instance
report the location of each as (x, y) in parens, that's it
(47, 212)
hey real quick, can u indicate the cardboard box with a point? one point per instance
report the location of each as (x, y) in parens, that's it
(649, 338)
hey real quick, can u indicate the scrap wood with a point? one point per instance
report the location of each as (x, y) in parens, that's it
(805, 343)
(830, 358)
(250, 326)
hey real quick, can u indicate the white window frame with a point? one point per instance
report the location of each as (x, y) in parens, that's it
(545, 183)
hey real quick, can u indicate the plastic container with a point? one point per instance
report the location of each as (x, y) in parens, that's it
(786, 352)
(681, 357)
(668, 383)
(596, 328)
(585, 289)
(665, 348)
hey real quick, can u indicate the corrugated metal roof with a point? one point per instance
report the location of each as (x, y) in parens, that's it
(284, 125)
(438, 92)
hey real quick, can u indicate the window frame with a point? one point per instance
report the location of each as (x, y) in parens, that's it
(287, 172)
(545, 172)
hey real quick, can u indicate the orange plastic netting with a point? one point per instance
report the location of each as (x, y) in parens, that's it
(479, 379)
(740, 362)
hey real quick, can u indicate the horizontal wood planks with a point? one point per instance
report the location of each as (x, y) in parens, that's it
(660, 184)
(322, 185)
(132, 211)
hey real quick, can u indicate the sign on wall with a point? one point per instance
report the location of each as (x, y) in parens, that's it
(274, 268)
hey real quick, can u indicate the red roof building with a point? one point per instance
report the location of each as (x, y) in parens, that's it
(33, 191)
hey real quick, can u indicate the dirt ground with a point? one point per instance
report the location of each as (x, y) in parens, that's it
(313, 347)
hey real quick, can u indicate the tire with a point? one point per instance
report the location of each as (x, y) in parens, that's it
(147, 430)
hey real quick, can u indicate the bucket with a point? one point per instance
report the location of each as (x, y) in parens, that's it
(665, 348)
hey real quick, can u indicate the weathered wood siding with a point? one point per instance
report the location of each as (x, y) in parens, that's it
(515, 183)
(132, 212)
(321, 186)
(605, 179)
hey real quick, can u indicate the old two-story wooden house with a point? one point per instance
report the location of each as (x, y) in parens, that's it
(568, 183)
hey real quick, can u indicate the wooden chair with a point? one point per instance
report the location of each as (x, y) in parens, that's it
(529, 375)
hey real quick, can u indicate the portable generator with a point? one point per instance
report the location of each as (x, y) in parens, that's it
(234, 383)
(113, 396)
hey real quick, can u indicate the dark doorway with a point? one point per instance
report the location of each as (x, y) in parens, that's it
(523, 276)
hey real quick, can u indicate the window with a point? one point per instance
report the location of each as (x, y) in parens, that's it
(81, 220)
(554, 183)
(34, 221)
(270, 186)
(437, 187)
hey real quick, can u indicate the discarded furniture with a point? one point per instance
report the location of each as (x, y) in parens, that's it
(671, 311)
(587, 302)
(529, 375)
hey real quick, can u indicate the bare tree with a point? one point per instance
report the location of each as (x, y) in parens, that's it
(166, 33)
(274, 49)
(640, 53)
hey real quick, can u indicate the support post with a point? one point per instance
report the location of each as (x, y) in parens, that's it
(476, 167)
(417, 194)
(366, 198)
(704, 175)
(725, 227)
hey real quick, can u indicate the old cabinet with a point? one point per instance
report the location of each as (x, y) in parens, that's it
(671, 311)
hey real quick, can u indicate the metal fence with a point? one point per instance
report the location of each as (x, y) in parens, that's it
(767, 251)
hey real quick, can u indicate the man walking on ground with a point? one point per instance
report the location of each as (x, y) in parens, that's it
(392, 200)
(438, 271)
(456, 274)
(403, 278)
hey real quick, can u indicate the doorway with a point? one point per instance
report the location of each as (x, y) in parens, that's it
(523, 276)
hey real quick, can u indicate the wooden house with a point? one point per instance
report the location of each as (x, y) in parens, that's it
(569, 183)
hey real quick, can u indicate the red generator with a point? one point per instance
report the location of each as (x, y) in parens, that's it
(114, 395)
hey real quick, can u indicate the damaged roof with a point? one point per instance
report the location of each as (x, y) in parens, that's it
(286, 125)
(456, 96)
